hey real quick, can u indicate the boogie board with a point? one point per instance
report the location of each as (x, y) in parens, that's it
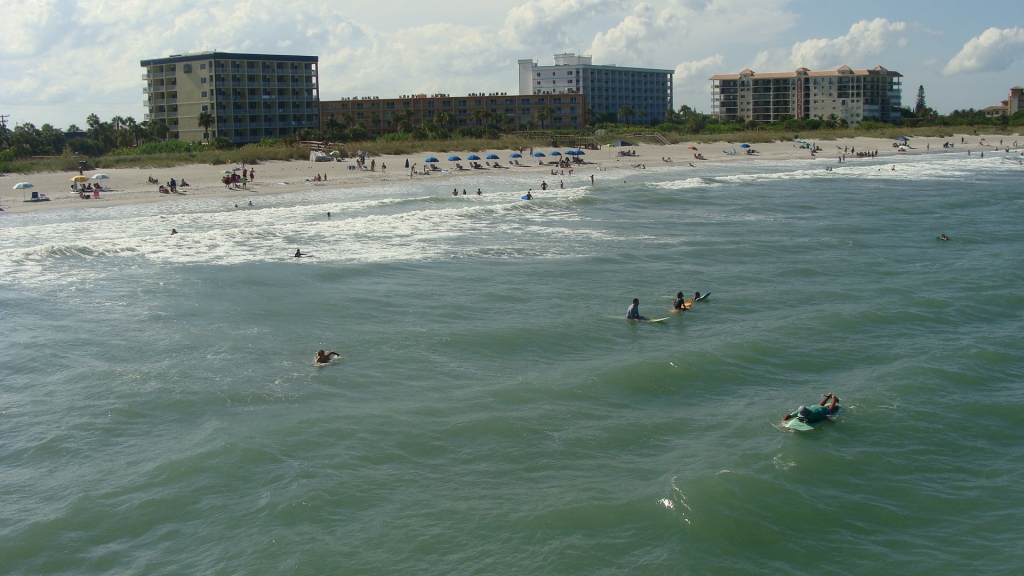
(525, 198)
(795, 423)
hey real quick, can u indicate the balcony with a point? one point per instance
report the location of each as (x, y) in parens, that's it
(146, 89)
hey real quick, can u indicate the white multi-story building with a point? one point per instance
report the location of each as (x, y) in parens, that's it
(851, 95)
(646, 91)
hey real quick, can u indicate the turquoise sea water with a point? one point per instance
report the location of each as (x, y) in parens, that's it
(492, 412)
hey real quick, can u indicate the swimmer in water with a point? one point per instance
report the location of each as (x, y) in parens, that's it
(174, 231)
(529, 195)
(299, 254)
(943, 237)
(324, 357)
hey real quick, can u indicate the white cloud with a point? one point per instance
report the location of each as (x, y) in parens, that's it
(865, 38)
(687, 69)
(996, 49)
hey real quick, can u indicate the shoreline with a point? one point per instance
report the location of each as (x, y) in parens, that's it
(130, 185)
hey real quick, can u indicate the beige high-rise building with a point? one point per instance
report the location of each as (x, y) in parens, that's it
(851, 95)
(1013, 104)
(251, 96)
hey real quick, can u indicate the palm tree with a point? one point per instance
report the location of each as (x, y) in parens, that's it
(444, 118)
(625, 112)
(479, 115)
(641, 114)
(206, 120)
(542, 116)
(375, 121)
(549, 114)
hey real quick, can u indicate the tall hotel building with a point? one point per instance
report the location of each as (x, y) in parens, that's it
(251, 96)
(852, 95)
(606, 88)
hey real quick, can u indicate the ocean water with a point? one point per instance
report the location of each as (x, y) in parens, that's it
(492, 411)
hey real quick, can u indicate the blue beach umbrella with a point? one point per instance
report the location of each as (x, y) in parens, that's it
(515, 155)
(571, 152)
(744, 145)
(903, 139)
(472, 157)
(454, 158)
(581, 153)
(431, 159)
(492, 157)
(555, 153)
(538, 154)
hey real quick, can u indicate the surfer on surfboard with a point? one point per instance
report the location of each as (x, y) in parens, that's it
(324, 357)
(299, 254)
(817, 413)
(680, 304)
(634, 311)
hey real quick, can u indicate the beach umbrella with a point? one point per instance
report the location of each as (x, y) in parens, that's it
(581, 153)
(538, 154)
(472, 157)
(515, 155)
(431, 159)
(905, 139)
(555, 153)
(100, 177)
(227, 172)
(454, 158)
(744, 145)
(492, 157)
(570, 152)
(80, 179)
(23, 185)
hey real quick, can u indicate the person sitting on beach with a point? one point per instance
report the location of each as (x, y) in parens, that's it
(633, 313)
(153, 180)
(680, 304)
(184, 184)
(817, 413)
(324, 357)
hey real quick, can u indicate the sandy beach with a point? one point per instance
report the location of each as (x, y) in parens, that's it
(131, 186)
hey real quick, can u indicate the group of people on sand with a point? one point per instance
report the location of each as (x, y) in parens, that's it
(172, 186)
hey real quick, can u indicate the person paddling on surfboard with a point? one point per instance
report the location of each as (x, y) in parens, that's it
(299, 254)
(943, 237)
(634, 311)
(817, 413)
(324, 357)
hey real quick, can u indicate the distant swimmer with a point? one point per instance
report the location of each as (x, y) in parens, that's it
(543, 185)
(174, 231)
(634, 311)
(324, 357)
(943, 237)
(463, 191)
(817, 413)
(478, 192)
(328, 215)
(529, 195)
(680, 304)
(250, 202)
(455, 192)
(299, 253)
(591, 179)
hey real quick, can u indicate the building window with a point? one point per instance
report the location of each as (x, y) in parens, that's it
(206, 108)
(202, 80)
(202, 66)
(204, 95)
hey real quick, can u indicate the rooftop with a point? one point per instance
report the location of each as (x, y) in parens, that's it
(192, 56)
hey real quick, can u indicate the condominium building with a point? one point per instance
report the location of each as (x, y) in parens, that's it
(647, 92)
(251, 96)
(383, 115)
(1013, 104)
(851, 95)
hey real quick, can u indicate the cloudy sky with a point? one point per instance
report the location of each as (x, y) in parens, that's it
(62, 59)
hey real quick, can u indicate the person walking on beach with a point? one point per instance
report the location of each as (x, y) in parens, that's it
(245, 180)
(373, 165)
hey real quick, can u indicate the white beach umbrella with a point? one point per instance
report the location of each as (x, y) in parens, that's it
(100, 177)
(23, 185)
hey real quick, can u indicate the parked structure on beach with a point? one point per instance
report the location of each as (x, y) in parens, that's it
(646, 92)
(851, 95)
(384, 115)
(250, 96)
(1013, 104)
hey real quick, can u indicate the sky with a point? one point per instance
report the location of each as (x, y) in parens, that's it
(63, 59)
